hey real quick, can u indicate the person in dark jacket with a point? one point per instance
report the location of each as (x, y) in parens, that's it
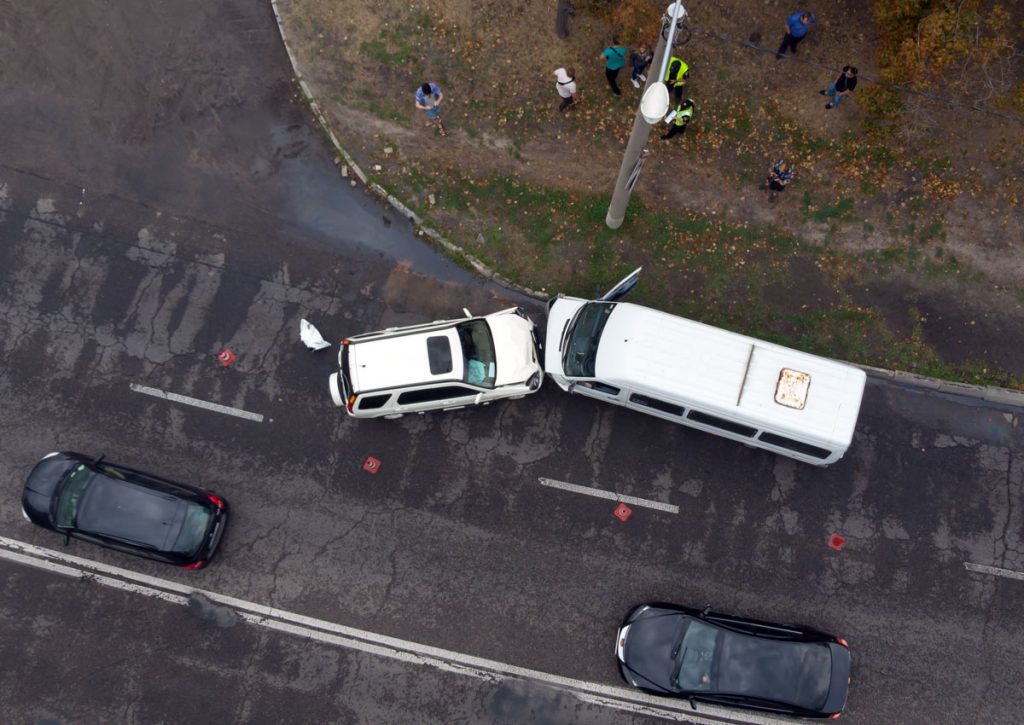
(841, 87)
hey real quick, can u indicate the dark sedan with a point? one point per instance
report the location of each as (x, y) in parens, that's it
(124, 509)
(708, 657)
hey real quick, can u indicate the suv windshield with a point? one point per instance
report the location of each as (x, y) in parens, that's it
(478, 349)
(75, 483)
(584, 335)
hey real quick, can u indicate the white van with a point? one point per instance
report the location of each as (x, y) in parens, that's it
(765, 395)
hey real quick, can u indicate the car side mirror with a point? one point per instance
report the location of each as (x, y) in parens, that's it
(706, 612)
(693, 703)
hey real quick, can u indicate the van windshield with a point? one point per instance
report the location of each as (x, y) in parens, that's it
(580, 351)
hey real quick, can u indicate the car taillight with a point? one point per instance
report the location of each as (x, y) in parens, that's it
(344, 342)
(195, 565)
(351, 402)
(216, 501)
(834, 715)
(842, 641)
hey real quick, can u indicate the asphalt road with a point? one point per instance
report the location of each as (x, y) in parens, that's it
(163, 196)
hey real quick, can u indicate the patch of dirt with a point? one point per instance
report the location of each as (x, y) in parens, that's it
(870, 214)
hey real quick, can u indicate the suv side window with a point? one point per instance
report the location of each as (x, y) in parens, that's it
(372, 402)
(430, 395)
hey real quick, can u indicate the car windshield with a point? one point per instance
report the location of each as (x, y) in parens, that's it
(74, 485)
(797, 673)
(197, 522)
(580, 352)
(478, 349)
(695, 656)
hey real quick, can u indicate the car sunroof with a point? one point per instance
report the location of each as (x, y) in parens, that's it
(439, 353)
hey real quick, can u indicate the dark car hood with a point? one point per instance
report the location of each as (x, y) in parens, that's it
(42, 484)
(649, 643)
(840, 685)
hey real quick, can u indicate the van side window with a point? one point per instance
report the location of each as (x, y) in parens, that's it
(806, 448)
(372, 402)
(600, 387)
(431, 394)
(656, 404)
(732, 427)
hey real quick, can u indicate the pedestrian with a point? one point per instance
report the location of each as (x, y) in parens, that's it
(675, 77)
(779, 176)
(680, 118)
(797, 26)
(841, 87)
(428, 99)
(640, 59)
(565, 84)
(614, 57)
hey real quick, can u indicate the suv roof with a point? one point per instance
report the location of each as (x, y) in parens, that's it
(406, 358)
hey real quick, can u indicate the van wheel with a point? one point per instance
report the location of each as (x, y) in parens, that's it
(393, 416)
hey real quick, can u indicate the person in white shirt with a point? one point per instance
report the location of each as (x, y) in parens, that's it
(566, 86)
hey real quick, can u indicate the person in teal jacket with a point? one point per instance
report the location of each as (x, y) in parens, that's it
(614, 57)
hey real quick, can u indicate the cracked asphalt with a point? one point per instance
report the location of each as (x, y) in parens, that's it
(163, 196)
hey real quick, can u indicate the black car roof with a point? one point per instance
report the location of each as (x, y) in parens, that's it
(130, 512)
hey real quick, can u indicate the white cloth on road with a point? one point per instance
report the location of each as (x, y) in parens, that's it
(311, 336)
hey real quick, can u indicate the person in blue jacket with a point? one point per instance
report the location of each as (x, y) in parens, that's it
(797, 26)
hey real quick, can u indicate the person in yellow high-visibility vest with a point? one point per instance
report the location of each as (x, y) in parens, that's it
(680, 118)
(676, 76)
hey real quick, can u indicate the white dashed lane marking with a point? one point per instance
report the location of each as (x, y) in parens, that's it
(994, 571)
(610, 495)
(205, 405)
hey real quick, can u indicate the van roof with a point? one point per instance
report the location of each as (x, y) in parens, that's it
(400, 360)
(728, 373)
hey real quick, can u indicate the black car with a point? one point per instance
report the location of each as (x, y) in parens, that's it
(707, 657)
(124, 509)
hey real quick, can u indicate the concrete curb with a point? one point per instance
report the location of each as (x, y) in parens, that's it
(994, 395)
(421, 227)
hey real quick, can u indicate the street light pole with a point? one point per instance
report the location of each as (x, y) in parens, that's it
(653, 106)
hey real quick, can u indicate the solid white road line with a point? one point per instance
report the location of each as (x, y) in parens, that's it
(215, 407)
(369, 642)
(610, 495)
(994, 570)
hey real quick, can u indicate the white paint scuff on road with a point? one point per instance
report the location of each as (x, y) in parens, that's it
(205, 405)
(610, 495)
(994, 571)
(372, 643)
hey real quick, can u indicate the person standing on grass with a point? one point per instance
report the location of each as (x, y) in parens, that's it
(680, 118)
(676, 76)
(614, 57)
(565, 84)
(428, 99)
(841, 87)
(640, 59)
(797, 26)
(779, 175)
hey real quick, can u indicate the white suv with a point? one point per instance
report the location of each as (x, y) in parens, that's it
(438, 366)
